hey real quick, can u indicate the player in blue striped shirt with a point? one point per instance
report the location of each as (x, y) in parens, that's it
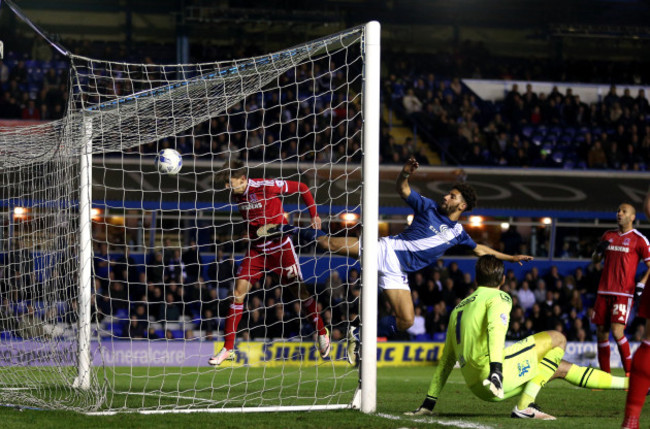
(434, 229)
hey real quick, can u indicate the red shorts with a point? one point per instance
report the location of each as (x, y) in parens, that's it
(610, 309)
(644, 304)
(278, 256)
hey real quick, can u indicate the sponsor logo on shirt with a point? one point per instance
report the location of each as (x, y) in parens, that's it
(504, 319)
(618, 248)
(443, 233)
(250, 206)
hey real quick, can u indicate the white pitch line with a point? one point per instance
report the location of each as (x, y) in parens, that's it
(453, 423)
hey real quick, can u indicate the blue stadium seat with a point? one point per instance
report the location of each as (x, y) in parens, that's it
(422, 337)
(62, 307)
(33, 89)
(117, 329)
(527, 131)
(35, 75)
(537, 139)
(551, 138)
(439, 337)
(122, 314)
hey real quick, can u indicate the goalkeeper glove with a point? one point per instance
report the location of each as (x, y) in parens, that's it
(495, 380)
(638, 290)
(426, 409)
(601, 247)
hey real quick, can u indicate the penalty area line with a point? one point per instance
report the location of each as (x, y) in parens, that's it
(452, 423)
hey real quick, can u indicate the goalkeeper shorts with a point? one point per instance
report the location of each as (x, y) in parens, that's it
(519, 367)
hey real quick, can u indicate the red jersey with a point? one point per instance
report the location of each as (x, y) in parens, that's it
(621, 261)
(261, 203)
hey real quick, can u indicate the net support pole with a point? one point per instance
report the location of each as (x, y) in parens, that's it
(82, 381)
(370, 215)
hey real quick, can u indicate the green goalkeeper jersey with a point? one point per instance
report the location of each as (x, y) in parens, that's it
(475, 337)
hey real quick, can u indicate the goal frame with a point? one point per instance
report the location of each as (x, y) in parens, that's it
(365, 397)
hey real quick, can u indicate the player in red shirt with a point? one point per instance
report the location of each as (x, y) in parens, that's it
(260, 203)
(640, 372)
(622, 249)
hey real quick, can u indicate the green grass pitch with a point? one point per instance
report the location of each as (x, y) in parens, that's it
(399, 390)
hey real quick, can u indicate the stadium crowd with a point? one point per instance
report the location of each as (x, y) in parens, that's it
(182, 294)
(525, 129)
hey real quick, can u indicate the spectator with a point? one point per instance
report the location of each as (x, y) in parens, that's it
(156, 269)
(138, 325)
(222, 273)
(411, 103)
(449, 296)
(418, 328)
(437, 320)
(175, 268)
(526, 296)
(540, 291)
(511, 240)
(192, 263)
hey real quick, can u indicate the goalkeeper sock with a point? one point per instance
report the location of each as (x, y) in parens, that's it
(624, 351)
(545, 370)
(592, 378)
(639, 383)
(232, 321)
(603, 356)
(311, 308)
(429, 403)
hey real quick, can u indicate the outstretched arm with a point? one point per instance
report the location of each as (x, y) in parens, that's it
(301, 188)
(481, 250)
(402, 184)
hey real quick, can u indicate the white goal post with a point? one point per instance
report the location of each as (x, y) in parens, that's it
(116, 279)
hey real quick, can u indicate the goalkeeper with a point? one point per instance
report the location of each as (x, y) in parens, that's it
(476, 337)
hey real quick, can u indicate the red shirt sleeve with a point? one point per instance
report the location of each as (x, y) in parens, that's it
(644, 250)
(302, 189)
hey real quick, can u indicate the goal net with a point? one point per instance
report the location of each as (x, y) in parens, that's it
(117, 279)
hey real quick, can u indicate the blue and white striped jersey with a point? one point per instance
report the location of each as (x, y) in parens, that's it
(428, 237)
